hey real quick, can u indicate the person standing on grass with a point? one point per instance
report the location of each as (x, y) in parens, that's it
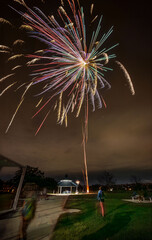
(100, 198)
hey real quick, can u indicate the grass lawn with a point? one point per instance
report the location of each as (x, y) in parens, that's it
(123, 220)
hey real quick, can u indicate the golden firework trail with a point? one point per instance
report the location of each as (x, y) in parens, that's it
(128, 78)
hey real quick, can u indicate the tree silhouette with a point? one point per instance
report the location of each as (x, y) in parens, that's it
(107, 178)
(34, 175)
(137, 182)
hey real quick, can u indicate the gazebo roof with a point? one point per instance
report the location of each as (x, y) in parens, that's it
(5, 162)
(67, 183)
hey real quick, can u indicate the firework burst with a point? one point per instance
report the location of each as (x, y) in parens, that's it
(69, 71)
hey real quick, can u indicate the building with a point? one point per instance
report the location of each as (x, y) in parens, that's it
(66, 186)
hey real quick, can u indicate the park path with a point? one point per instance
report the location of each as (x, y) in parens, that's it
(42, 226)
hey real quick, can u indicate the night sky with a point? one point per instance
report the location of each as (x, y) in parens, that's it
(120, 135)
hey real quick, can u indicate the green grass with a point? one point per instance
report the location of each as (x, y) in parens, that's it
(6, 201)
(123, 220)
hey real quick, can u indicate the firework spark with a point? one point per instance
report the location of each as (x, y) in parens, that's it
(127, 77)
(20, 103)
(6, 77)
(9, 86)
(71, 70)
(91, 8)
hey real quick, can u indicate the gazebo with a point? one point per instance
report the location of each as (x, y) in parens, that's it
(67, 186)
(5, 162)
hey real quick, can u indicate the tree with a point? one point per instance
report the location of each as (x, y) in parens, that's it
(108, 179)
(34, 175)
(49, 183)
(1, 184)
(137, 182)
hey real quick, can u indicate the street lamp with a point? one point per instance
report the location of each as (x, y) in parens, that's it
(77, 182)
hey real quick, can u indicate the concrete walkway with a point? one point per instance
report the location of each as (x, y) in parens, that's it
(42, 226)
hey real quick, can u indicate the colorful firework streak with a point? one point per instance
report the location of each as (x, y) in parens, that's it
(71, 70)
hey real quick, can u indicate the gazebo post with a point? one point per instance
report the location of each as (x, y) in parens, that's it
(19, 188)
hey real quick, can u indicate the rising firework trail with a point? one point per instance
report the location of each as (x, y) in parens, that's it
(69, 71)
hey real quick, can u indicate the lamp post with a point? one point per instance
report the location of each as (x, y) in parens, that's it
(77, 182)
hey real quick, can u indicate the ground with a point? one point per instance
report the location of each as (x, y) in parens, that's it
(47, 213)
(123, 220)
